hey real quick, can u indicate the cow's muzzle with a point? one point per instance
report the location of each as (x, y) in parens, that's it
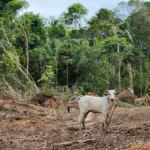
(112, 99)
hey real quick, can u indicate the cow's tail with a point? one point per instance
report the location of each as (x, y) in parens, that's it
(68, 107)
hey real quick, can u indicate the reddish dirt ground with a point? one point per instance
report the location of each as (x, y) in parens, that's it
(27, 127)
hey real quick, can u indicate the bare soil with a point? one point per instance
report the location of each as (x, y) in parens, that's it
(30, 127)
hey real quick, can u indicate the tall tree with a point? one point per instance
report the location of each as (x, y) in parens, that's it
(100, 26)
(74, 15)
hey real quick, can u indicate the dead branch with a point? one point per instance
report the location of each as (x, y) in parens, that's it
(148, 96)
(71, 98)
(107, 125)
(77, 94)
(18, 65)
(19, 82)
(14, 93)
(9, 87)
(110, 118)
(73, 142)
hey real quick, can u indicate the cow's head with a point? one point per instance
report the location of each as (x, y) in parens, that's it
(112, 94)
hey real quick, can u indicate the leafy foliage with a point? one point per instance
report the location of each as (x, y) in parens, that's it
(47, 77)
(108, 52)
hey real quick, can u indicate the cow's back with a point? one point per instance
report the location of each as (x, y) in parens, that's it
(97, 104)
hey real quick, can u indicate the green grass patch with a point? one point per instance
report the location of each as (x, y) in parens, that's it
(126, 105)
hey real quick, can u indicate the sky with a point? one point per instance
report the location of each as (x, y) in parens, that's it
(48, 8)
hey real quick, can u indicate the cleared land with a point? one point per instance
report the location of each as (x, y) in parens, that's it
(25, 126)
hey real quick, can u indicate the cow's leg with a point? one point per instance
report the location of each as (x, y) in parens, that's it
(104, 120)
(108, 114)
(81, 120)
(83, 123)
(82, 117)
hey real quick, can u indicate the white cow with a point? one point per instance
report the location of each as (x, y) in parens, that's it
(96, 105)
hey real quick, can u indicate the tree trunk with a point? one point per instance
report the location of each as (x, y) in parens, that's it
(119, 62)
(146, 79)
(27, 50)
(141, 69)
(119, 74)
(140, 75)
(130, 77)
(67, 73)
(56, 65)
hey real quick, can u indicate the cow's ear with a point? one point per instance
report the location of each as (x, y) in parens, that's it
(117, 93)
(105, 94)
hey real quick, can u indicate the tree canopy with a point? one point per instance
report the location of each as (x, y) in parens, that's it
(109, 52)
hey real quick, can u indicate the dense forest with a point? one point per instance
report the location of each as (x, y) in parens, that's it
(109, 50)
